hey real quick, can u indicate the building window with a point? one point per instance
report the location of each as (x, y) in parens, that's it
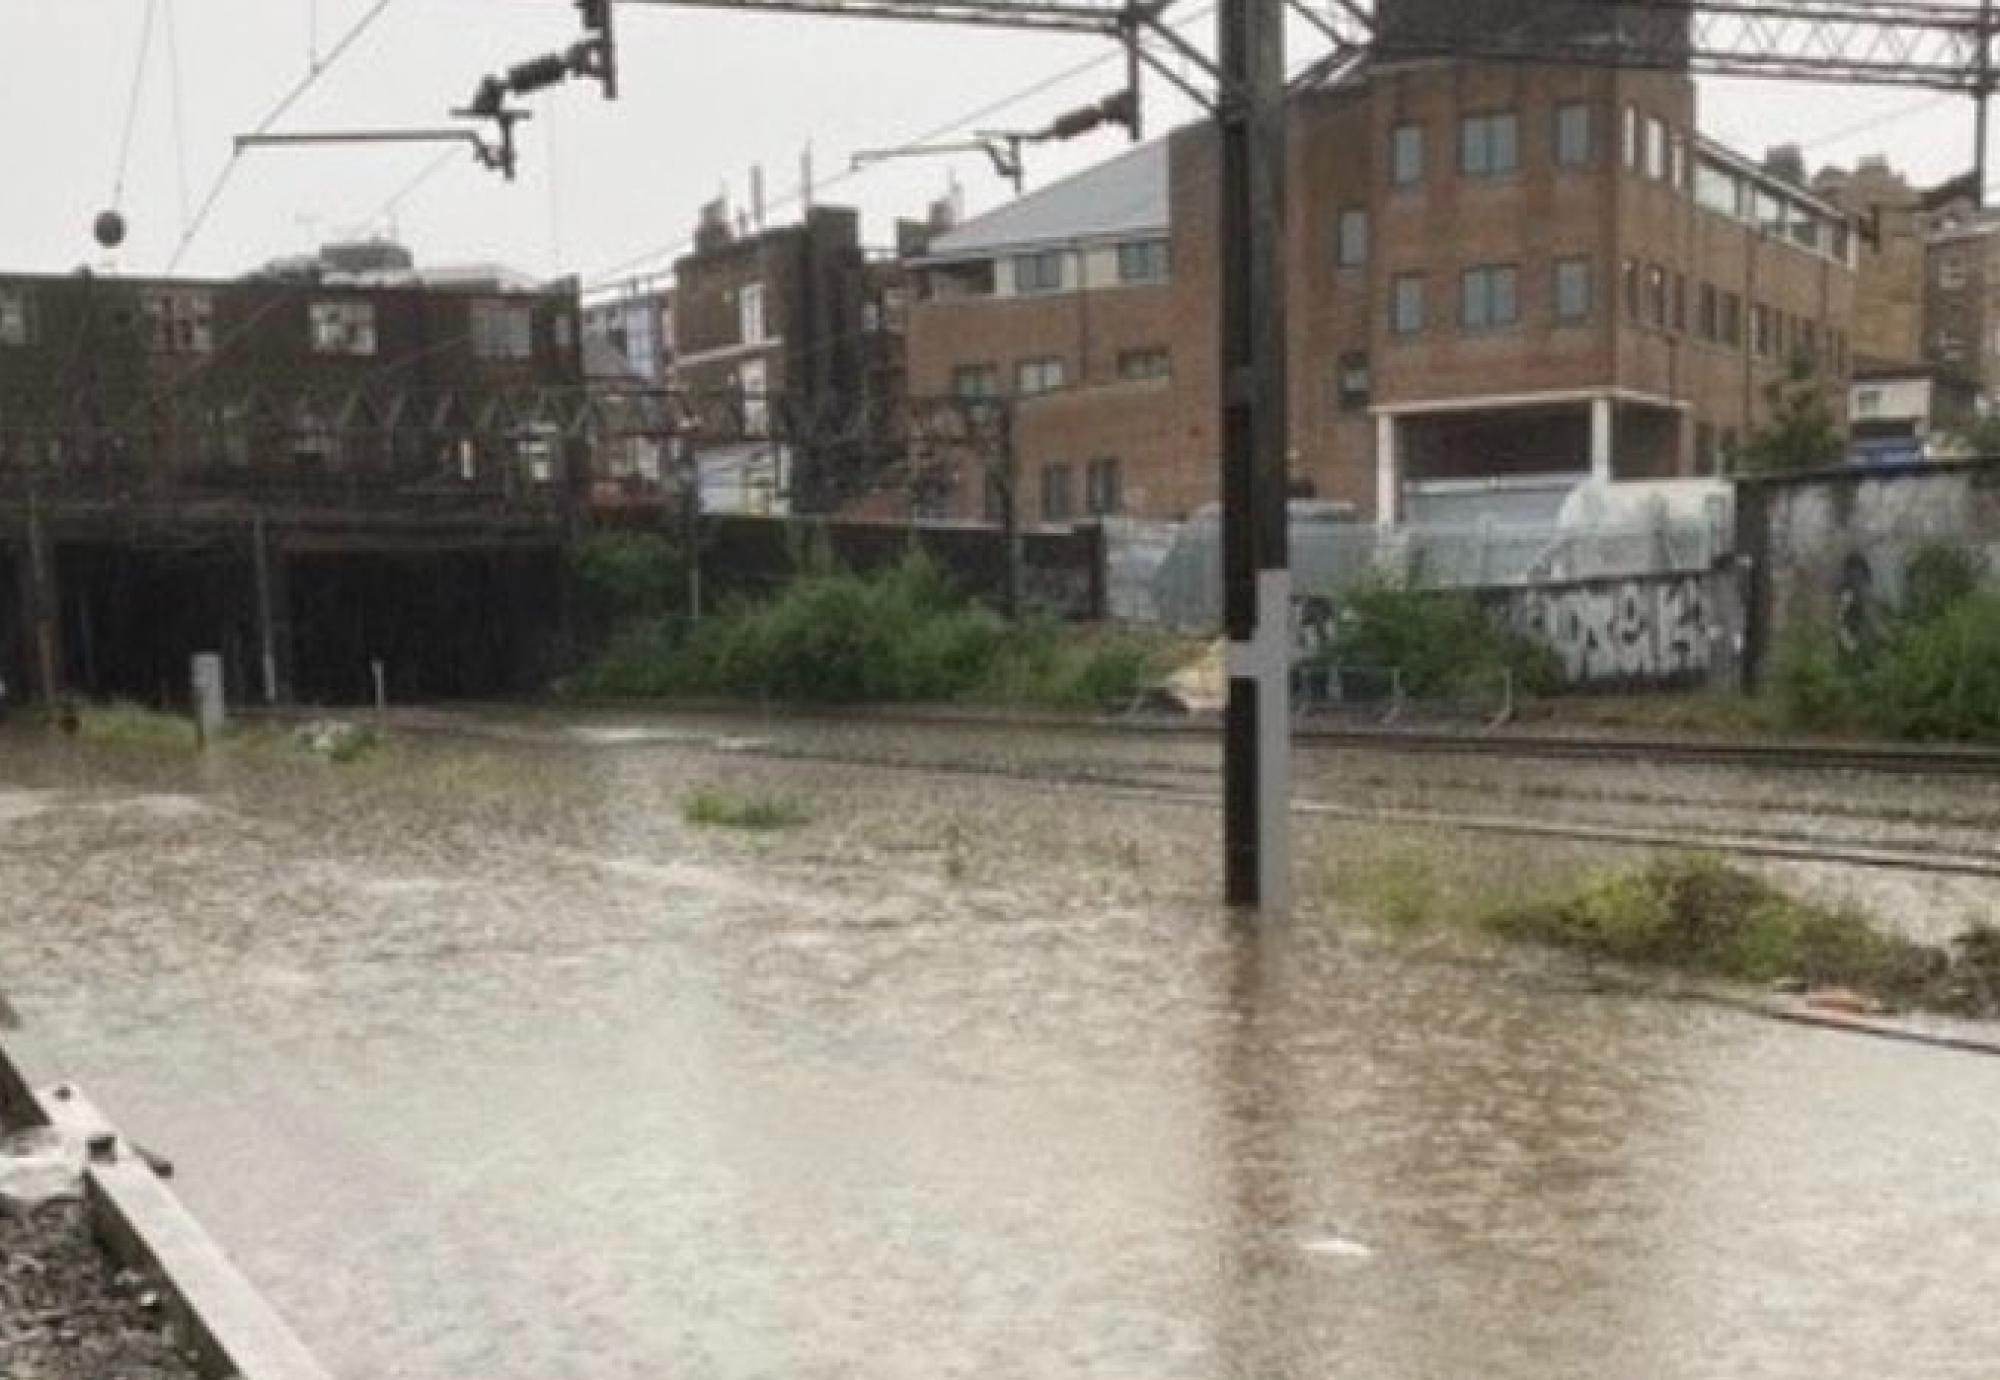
(1041, 272)
(1706, 324)
(1487, 144)
(1732, 320)
(1867, 402)
(17, 320)
(1140, 261)
(1104, 489)
(975, 381)
(1406, 154)
(1137, 365)
(1951, 274)
(1572, 135)
(1041, 375)
(343, 328)
(179, 322)
(1763, 340)
(751, 326)
(1572, 289)
(1406, 303)
(1632, 137)
(1656, 296)
(1656, 148)
(1486, 298)
(1679, 166)
(1809, 342)
(504, 330)
(1353, 384)
(1680, 303)
(1352, 250)
(1704, 448)
(1056, 500)
(1950, 346)
(753, 384)
(1631, 280)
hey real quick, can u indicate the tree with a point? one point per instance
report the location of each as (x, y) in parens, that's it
(1802, 431)
(1980, 437)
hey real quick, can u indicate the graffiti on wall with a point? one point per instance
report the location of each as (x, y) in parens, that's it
(1646, 629)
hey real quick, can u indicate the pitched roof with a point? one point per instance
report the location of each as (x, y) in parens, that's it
(1122, 196)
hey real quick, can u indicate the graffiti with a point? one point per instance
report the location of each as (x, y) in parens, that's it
(1647, 629)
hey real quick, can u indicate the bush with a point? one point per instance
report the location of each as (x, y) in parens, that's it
(1811, 684)
(1441, 641)
(626, 575)
(1931, 671)
(1700, 915)
(902, 635)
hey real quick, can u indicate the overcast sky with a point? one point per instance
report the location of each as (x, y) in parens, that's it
(603, 185)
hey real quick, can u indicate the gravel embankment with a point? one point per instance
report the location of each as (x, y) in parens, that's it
(68, 1313)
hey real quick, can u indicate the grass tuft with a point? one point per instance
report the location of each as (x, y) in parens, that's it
(712, 807)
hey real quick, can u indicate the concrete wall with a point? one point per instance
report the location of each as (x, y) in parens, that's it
(1826, 547)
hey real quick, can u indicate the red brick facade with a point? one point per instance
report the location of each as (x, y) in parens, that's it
(1491, 222)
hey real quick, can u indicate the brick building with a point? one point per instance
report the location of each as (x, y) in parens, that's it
(786, 347)
(1498, 273)
(380, 459)
(285, 382)
(1961, 295)
(1890, 228)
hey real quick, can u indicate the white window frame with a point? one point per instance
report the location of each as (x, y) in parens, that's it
(343, 328)
(1351, 237)
(178, 320)
(1572, 117)
(1399, 325)
(17, 317)
(753, 383)
(1406, 136)
(506, 330)
(1041, 374)
(1489, 144)
(1574, 271)
(752, 328)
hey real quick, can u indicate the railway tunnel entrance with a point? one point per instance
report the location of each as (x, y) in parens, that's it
(455, 624)
(444, 621)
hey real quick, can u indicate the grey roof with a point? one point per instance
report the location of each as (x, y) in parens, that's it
(1123, 196)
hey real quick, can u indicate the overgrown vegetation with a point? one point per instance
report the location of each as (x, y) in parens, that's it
(1440, 641)
(123, 725)
(1929, 668)
(627, 575)
(712, 807)
(902, 635)
(1802, 431)
(1699, 915)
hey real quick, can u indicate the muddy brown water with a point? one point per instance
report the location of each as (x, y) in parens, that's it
(484, 1064)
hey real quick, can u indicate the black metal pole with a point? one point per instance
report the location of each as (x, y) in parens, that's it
(1256, 593)
(1980, 98)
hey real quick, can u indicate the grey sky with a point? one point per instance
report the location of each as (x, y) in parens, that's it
(706, 95)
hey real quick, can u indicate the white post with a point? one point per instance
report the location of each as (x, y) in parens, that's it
(205, 679)
(1600, 438)
(381, 678)
(1388, 473)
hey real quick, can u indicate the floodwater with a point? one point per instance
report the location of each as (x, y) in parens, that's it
(484, 1064)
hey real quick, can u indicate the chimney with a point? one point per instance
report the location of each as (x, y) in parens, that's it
(1787, 163)
(712, 232)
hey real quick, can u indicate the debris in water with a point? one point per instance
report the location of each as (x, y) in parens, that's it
(1338, 1246)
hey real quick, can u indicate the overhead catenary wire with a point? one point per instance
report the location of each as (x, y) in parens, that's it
(132, 97)
(276, 113)
(621, 272)
(172, 35)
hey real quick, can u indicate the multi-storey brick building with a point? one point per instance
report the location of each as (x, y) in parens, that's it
(1890, 226)
(275, 382)
(1961, 295)
(784, 350)
(1495, 271)
(156, 433)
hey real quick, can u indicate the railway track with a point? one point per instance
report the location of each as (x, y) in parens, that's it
(1326, 733)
